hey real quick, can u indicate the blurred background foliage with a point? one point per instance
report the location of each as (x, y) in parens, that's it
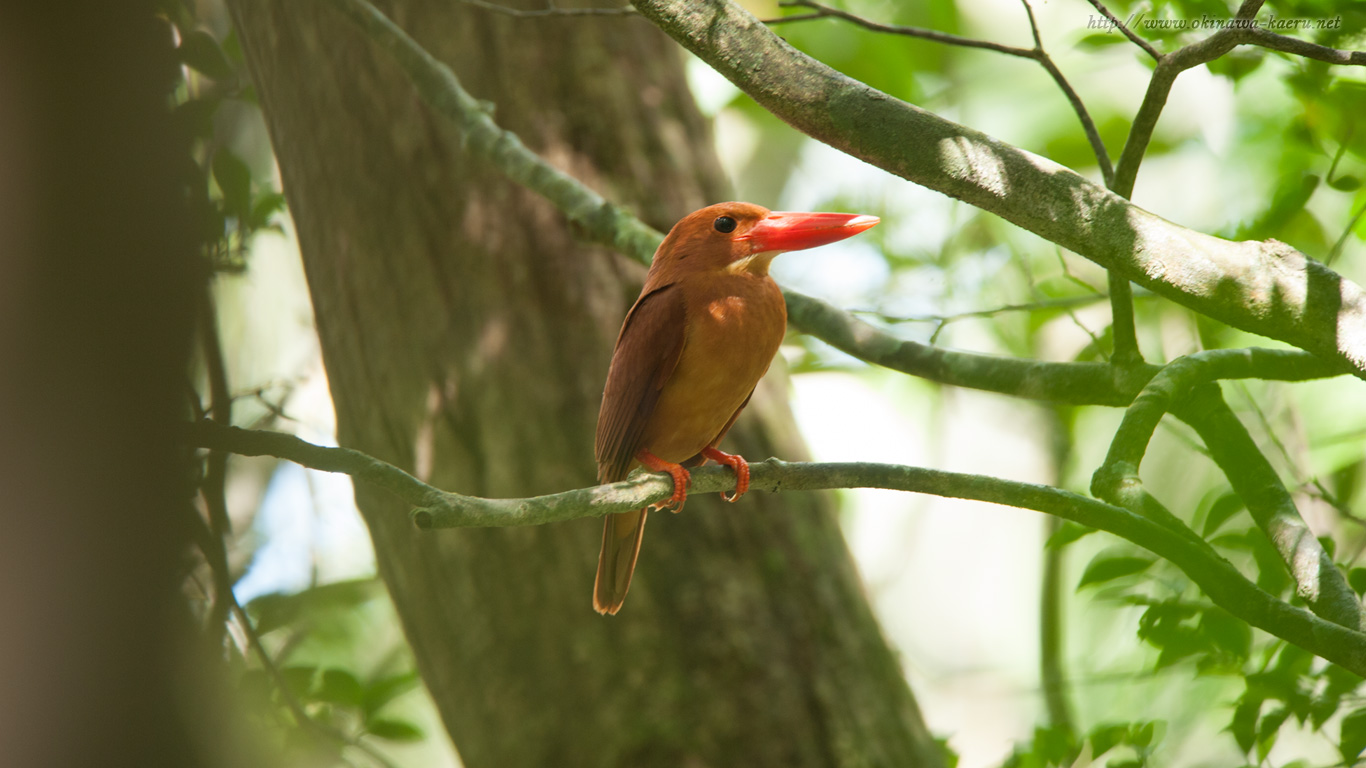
(1027, 643)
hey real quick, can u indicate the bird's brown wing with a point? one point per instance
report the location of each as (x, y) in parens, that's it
(648, 349)
(647, 352)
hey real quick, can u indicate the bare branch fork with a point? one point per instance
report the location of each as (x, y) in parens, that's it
(1037, 53)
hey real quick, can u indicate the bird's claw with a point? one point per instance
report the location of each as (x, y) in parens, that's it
(682, 480)
(737, 464)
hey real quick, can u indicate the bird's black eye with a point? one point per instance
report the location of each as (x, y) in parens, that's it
(724, 224)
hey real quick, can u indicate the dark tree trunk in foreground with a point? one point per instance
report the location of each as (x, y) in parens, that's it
(98, 285)
(466, 336)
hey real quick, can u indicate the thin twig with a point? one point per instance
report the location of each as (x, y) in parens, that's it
(1033, 306)
(1122, 327)
(214, 487)
(826, 12)
(1135, 39)
(1336, 250)
(1088, 126)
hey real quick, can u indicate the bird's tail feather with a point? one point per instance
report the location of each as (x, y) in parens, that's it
(621, 536)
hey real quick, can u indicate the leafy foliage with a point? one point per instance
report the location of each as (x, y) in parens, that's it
(231, 199)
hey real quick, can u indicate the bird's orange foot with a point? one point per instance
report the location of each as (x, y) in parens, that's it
(736, 463)
(681, 480)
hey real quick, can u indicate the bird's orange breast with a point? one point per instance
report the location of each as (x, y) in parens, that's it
(735, 324)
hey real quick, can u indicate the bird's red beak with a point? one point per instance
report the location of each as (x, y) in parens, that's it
(787, 231)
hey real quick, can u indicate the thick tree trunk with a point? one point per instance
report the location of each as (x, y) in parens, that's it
(466, 336)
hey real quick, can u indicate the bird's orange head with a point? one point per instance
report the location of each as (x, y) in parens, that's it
(743, 237)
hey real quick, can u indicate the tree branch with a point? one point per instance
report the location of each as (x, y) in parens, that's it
(1184, 387)
(1262, 287)
(440, 509)
(1318, 580)
(441, 90)
(213, 487)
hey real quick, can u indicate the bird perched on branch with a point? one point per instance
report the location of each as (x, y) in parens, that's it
(698, 339)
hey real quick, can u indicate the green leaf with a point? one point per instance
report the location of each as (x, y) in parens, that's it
(234, 179)
(193, 119)
(386, 689)
(1340, 683)
(950, 757)
(394, 730)
(1345, 183)
(1068, 533)
(339, 687)
(1106, 737)
(1098, 40)
(200, 51)
(276, 610)
(299, 680)
(1056, 745)
(1236, 64)
(1353, 735)
(255, 687)
(1244, 724)
(1222, 509)
(1144, 735)
(1268, 729)
(1107, 568)
(266, 206)
(1228, 632)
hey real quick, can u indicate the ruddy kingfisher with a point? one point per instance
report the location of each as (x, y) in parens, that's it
(691, 350)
